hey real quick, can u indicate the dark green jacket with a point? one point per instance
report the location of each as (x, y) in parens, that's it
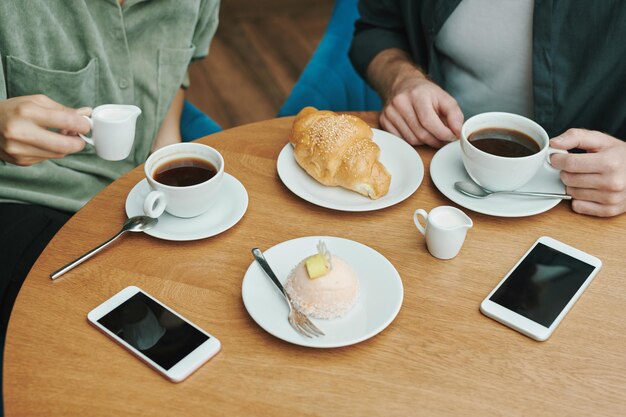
(579, 55)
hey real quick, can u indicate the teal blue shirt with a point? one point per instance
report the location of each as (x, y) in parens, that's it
(579, 75)
(92, 52)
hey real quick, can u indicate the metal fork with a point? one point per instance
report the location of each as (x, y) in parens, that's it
(299, 321)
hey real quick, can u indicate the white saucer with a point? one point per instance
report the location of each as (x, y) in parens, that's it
(401, 160)
(380, 293)
(226, 212)
(446, 168)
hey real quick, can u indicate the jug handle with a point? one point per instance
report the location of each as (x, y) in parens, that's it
(416, 220)
(85, 138)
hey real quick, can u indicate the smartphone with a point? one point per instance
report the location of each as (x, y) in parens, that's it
(541, 288)
(157, 335)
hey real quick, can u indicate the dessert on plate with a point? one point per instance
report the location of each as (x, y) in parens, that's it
(323, 286)
(338, 150)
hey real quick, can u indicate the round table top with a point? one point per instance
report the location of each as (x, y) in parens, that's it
(440, 356)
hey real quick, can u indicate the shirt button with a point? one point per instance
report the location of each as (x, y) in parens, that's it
(123, 83)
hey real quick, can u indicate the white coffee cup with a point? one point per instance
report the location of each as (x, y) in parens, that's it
(113, 130)
(445, 230)
(500, 173)
(182, 201)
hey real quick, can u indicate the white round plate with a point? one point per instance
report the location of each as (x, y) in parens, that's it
(224, 214)
(401, 160)
(380, 293)
(446, 168)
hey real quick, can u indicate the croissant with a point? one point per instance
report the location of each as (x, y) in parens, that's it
(339, 150)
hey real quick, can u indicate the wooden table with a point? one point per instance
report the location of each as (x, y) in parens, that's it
(440, 356)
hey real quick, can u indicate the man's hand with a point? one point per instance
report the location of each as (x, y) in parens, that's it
(597, 179)
(24, 136)
(415, 108)
(422, 113)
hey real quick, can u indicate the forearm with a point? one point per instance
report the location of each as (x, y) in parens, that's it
(169, 132)
(390, 68)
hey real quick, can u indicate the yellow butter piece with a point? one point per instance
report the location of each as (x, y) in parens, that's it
(316, 266)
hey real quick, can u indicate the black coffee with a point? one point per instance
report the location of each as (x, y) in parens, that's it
(504, 142)
(184, 172)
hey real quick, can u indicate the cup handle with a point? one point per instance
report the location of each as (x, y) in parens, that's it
(154, 204)
(552, 151)
(85, 138)
(416, 220)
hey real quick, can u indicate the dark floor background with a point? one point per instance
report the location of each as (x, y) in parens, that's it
(258, 53)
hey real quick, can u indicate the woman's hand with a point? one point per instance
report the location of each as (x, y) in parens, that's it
(25, 138)
(597, 179)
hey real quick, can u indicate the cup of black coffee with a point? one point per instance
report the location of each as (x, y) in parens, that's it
(503, 151)
(185, 179)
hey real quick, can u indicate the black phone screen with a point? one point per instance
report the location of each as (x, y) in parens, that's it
(542, 284)
(153, 330)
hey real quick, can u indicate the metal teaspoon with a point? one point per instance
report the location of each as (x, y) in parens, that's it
(474, 190)
(133, 224)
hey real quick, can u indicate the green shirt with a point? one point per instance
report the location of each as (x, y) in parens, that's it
(92, 52)
(578, 55)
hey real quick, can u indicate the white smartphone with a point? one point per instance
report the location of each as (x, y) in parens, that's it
(541, 288)
(165, 340)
